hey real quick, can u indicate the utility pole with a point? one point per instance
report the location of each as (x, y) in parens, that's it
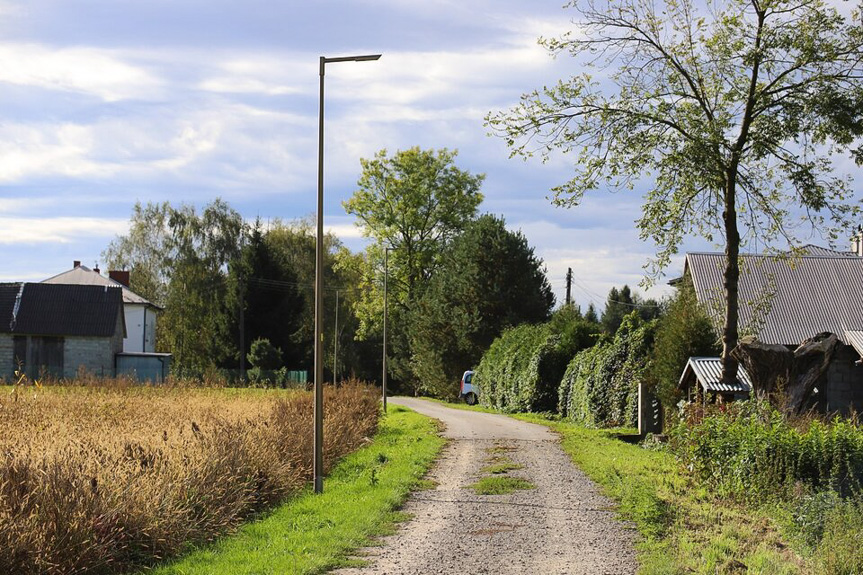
(569, 286)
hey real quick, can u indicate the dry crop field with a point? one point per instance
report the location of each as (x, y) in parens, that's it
(107, 479)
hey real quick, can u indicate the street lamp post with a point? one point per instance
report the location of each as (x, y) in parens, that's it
(386, 302)
(319, 283)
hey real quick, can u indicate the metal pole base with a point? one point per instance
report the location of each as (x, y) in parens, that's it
(319, 484)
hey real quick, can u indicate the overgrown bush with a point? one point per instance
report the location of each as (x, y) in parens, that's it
(748, 449)
(111, 479)
(684, 331)
(521, 369)
(600, 385)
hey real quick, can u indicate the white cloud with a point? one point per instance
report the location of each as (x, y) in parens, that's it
(98, 72)
(19, 230)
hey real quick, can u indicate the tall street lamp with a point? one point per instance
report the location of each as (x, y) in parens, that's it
(319, 283)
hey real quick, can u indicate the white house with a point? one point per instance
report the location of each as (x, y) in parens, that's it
(140, 314)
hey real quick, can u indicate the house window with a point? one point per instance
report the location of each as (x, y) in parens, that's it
(38, 356)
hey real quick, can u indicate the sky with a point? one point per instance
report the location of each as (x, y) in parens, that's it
(105, 103)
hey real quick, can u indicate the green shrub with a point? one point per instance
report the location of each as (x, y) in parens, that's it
(521, 369)
(600, 385)
(684, 331)
(748, 449)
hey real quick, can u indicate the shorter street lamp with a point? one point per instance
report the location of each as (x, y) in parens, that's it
(384, 375)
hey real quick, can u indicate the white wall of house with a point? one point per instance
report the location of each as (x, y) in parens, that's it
(140, 328)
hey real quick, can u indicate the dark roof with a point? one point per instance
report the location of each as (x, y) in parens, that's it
(82, 275)
(59, 310)
(785, 301)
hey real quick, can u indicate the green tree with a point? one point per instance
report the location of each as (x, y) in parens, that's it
(413, 202)
(620, 303)
(684, 331)
(732, 111)
(263, 300)
(489, 280)
(264, 355)
(144, 251)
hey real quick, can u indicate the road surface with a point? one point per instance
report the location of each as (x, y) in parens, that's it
(563, 525)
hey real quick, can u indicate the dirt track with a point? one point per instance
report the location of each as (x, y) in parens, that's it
(562, 526)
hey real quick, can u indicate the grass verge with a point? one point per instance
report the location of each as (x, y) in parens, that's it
(314, 533)
(684, 528)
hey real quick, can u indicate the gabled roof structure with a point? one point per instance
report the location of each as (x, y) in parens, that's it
(707, 372)
(60, 310)
(82, 275)
(785, 300)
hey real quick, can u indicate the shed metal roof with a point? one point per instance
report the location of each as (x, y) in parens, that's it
(59, 309)
(786, 301)
(708, 373)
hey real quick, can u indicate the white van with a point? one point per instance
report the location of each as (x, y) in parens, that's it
(467, 392)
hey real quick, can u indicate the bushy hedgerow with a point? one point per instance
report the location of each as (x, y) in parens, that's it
(522, 368)
(600, 385)
(750, 449)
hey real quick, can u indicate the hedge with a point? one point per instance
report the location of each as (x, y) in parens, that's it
(522, 369)
(600, 385)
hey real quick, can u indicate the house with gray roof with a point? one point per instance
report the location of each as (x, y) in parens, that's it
(787, 299)
(140, 314)
(60, 330)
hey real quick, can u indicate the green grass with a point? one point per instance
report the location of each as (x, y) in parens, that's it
(683, 527)
(500, 485)
(315, 533)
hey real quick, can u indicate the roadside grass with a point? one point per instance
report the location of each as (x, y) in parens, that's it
(683, 527)
(315, 533)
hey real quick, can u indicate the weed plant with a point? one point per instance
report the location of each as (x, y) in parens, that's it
(108, 478)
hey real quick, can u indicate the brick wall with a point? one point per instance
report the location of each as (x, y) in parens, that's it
(843, 390)
(94, 354)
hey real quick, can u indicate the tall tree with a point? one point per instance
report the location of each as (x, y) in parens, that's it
(490, 279)
(413, 202)
(144, 251)
(734, 110)
(264, 300)
(200, 248)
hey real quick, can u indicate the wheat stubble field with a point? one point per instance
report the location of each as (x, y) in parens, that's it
(111, 478)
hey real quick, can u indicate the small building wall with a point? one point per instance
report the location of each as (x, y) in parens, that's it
(843, 390)
(7, 362)
(92, 354)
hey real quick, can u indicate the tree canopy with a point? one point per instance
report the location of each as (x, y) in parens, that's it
(489, 280)
(730, 113)
(412, 203)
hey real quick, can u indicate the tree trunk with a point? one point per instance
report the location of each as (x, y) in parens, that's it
(769, 366)
(732, 276)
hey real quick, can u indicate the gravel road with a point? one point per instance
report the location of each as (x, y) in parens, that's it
(562, 526)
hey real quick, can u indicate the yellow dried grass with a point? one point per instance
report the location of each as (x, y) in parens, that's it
(105, 479)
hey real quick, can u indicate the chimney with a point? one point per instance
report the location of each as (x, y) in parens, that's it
(76, 264)
(119, 276)
(96, 269)
(857, 242)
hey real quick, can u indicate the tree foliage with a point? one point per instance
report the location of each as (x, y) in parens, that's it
(413, 202)
(730, 113)
(684, 331)
(620, 303)
(489, 279)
